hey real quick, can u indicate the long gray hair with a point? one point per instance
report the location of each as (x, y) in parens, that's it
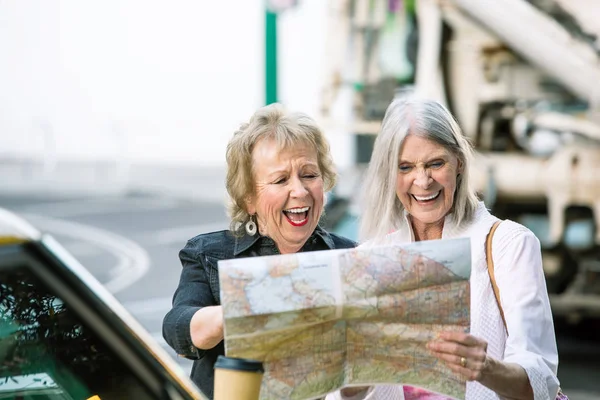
(409, 114)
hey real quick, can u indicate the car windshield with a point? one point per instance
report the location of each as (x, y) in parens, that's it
(48, 352)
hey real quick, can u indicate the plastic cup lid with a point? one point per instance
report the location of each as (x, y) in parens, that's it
(240, 364)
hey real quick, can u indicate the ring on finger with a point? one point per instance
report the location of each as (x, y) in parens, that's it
(463, 362)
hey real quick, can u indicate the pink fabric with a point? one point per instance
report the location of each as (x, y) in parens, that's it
(415, 393)
(561, 395)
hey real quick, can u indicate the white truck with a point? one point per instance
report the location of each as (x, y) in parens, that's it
(523, 79)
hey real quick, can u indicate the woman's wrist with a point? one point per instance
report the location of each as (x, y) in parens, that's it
(506, 379)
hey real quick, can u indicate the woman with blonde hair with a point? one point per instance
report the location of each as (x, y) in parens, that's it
(278, 170)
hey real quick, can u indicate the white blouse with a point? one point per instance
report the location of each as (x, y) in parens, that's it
(520, 278)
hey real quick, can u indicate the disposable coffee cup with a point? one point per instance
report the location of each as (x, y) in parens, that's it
(237, 378)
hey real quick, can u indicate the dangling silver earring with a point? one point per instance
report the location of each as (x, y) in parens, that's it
(251, 227)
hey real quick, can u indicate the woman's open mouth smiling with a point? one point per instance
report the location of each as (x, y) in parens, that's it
(426, 199)
(297, 216)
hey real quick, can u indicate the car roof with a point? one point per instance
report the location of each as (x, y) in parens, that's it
(14, 229)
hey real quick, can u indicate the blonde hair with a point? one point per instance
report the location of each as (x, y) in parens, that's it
(287, 129)
(408, 114)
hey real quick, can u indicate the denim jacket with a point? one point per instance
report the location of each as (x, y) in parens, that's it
(199, 287)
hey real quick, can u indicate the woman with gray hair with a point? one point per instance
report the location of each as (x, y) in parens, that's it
(417, 188)
(278, 170)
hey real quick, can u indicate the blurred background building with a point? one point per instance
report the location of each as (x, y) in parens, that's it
(115, 87)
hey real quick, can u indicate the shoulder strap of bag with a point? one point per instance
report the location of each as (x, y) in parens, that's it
(490, 266)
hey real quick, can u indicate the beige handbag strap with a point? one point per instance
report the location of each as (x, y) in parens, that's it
(490, 266)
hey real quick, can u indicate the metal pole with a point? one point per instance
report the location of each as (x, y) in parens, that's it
(270, 56)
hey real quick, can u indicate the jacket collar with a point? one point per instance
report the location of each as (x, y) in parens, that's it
(243, 243)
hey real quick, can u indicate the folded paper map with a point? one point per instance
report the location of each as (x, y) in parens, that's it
(327, 319)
